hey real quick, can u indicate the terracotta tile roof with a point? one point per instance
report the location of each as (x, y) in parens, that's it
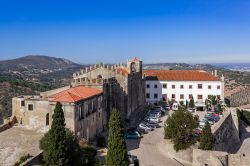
(179, 75)
(123, 71)
(75, 94)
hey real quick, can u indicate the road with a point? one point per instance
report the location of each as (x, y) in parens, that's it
(148, 149)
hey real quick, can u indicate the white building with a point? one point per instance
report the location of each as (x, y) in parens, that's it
(181, 85)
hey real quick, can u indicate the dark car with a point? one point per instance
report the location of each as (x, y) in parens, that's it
(133, 134)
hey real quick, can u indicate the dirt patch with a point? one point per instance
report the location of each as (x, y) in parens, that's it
(16, 142)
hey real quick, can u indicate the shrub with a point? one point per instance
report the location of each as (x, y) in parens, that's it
(23, 159)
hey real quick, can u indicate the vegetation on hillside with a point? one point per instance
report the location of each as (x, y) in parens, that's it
(179, 128)
(244, 116)
(30, 75)
(117, 151)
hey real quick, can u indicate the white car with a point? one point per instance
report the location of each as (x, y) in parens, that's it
(191, 110)
(152, 119)
(145, 127)
(202, 123)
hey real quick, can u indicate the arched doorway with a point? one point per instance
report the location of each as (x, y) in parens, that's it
(47, 119)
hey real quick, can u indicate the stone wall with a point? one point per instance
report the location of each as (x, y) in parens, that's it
(35, 118)
(226, 132)
(218, 158)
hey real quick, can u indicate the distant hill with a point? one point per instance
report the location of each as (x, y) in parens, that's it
(31, 75)
(37, 62)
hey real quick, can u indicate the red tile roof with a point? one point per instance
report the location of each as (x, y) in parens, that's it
(179, 75)
(75, 94)
(123, 71)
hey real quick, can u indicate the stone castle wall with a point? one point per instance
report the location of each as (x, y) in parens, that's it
(226, 132)
(217, 158)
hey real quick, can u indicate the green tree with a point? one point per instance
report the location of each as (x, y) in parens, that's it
(191, 103)
(179, 127)
(54, 144)
(206, 139)
(117, 151)
(187, 104)
(59, 145)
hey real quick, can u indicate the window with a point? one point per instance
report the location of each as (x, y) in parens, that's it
(22, 103)
(190, 96)
(182, 86)
(190, 86)
(173, 86)
(200, 97)
(147, 95)
(209, 87)
(218, 87)
(148, 86)
(30, 107)
(181, 96)
(155, 85)
(156, 96)
(173, 96)
(199, 86)
(164, 86)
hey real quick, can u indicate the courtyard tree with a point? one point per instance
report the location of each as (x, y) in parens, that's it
(206, 139)
(59, 145)
(191, 103)
(117, 151)
(179, 128)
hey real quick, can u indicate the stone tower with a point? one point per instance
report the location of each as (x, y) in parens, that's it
(134, 65)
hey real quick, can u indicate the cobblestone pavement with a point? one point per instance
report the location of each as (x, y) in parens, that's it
(148, 149)
(16, 142)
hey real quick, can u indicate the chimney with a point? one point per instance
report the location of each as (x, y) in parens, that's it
(215, 73)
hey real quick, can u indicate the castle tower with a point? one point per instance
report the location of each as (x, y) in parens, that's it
(134, 65)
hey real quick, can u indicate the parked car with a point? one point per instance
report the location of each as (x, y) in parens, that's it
(145, 127)
(202, 123)
(141, 131)
(152, 119)
(166, 107)
(133, 134)
(154, 114)
(150, 124)
(191, 110)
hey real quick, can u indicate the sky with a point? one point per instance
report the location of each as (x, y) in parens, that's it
(112, 31)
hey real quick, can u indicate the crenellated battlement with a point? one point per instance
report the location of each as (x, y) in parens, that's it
(112, 68)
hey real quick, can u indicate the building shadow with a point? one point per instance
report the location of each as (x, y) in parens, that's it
(133, 144)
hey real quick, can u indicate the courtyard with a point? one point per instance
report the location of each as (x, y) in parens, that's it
(151, 149)
(16, 142)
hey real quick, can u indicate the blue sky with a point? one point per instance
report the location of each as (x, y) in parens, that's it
(89, 31)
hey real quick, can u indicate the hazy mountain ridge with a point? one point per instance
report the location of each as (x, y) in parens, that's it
(30, 75)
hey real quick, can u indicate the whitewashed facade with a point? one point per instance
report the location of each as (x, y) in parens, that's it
(182, 90)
